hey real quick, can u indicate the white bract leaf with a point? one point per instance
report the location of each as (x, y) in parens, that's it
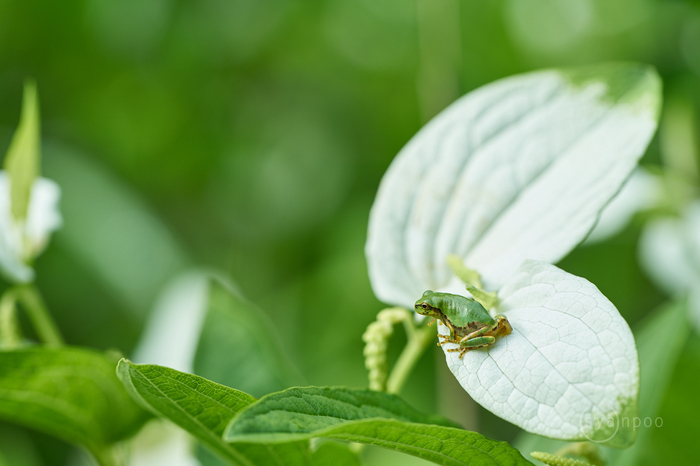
(171, 339)
(517, 169)
(175, 324)
(669, 252)
(664, 254)
(569, 370)
(20, 243)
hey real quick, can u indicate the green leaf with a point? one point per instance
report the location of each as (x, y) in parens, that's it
(70, 393)
(17, 448)
(203, 408)
(254, 362)
(24, 153)
(365, 416)
(674, 431)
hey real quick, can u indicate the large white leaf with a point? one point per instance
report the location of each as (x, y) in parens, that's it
(641, 191)
(570, 368)
(517, 169)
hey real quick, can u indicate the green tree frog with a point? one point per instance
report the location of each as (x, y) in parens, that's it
(471, 326)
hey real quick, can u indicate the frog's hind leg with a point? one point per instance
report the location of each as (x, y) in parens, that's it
(480, 332)
(472, 343)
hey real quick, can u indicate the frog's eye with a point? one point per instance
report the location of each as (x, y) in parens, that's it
(424, 306)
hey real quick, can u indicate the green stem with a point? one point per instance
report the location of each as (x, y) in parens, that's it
(416, 345)
(108, 456)
(43, 323)
(9, 329)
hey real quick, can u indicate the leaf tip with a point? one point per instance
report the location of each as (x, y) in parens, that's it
(635, 85)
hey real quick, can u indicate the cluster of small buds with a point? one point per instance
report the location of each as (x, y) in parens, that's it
(554, 460)
(376, 338)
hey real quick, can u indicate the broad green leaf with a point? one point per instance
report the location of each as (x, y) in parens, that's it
(367, 417)
(70, 393)
(518, 169)
(254, 362)
(24, 154)
(203, 408)
(569, 365)
(299, 411)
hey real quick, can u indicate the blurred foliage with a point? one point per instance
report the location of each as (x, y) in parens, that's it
(250, 136)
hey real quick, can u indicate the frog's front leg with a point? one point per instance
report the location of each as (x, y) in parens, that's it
(451, 338)
(447, 339)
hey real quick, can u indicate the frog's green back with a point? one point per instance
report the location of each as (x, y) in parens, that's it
(462, 310)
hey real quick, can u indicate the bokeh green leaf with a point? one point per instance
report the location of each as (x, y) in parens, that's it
(334, 454)
(669, 324)
(255, 361)
(24, 155)
(70, 393)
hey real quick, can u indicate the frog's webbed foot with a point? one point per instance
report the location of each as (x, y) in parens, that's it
(461, 351)
(447, 339)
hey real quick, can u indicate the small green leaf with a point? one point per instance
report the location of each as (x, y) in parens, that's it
(70, 393)
(366, 417)
(24, 154)
(203, 408)
(467, 275)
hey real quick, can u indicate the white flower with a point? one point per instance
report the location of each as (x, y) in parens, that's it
(21, 242)
(514, 171)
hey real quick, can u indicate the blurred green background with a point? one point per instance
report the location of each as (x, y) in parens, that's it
(249, 137)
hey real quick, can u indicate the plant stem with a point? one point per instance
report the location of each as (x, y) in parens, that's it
(108, 455)
(43, 323)
(9, 330)
(416, 345)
